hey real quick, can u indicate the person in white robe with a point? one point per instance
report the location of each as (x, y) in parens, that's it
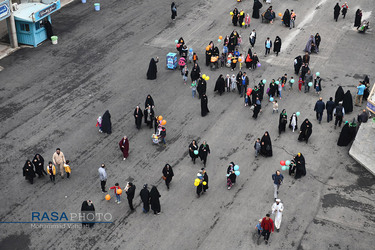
(277, 209)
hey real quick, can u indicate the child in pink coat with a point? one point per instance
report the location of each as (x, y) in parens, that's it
(247, 20)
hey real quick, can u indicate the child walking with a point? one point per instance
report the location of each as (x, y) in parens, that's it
(190, 55)
(51, 171)
(259, 227)
(185, 74)
(300, 83)
(195, 58)
(118, 196)
(291, 81)
(257, 147)
(67, 168)
(275, 107)
(193, 88)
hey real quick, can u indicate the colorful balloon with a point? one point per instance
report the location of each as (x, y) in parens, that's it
(283, 168)
(196, 184)
(236, 168)
(258, 64)
(277, 82)
(107, 197)
(282, 85)
(280, 14)
(197, 180)
(317, 74)
(234, 61)
(196, 152)
(220, 37)
(163, 122)
(204, 76)
(119, 191)
(310, 84)
(271, 99)
(175, 41)
(243, 24)
(204, 183)
(160, 118)
(282, 163)
(207, 78)
(219, 40)
(264, 81)
(287, 163)
(298, 113)
(178, 45)
(231, 13)
(191, 49)
(292, 81)
(240, 59)
(237, 173)
(229, 61)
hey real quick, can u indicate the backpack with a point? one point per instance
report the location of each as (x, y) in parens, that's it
(339, 110)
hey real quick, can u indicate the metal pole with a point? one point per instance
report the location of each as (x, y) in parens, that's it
(12, 26)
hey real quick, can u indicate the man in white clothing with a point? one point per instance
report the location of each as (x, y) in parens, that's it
(278, 208)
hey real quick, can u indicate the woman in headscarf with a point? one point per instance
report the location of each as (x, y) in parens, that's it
(277, 45)
(193, 150)
(38, 162)
(336, 11)
(88, 214)
(180, 44)
(293, 124)
(253, 38)
(138, 117)
(358, 18)
(305, 131)
(204, 105)
(286, 18)
(297, 64)
(106, 123)
(149, 115)
(204, 151)
(200, 185)
(235, 16)
(149, 101)
(344, 138)
(266, 145)
(300, 166)
(174, 11)
(220, 85)
(124, 147)
(28, 171)
(167, 174)
(241, 17)
(152, 69)
(257, 107)
(145, 197)
(195, 72)
(339, 95)
(155, 200)
(283, 120)
(256, 7)
(309, 43)
(202, 87)
(209, 51)
(348, 102)
(318, 39)
(231, 176)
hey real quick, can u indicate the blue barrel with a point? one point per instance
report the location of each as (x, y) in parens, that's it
(97, 6)
(83, 1)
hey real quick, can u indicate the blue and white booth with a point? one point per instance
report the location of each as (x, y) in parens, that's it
(30, 20)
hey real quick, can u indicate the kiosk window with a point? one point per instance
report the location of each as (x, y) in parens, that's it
(25, 27)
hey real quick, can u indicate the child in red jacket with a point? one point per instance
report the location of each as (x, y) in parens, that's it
(116, 187)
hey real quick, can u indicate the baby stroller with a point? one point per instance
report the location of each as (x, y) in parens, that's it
(155, 138)
(364, 26)
(214, 62)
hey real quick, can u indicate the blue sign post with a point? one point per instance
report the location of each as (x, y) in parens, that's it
(4, 10)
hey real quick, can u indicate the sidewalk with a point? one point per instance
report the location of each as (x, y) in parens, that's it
(6, 50)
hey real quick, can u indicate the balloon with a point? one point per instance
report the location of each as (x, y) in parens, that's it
(107, 197)
(219, 40)
(231, 13)
(204, 76)
(191, 50)
(240, 59)
(175, 41)
(237, 173)
(292, 81)
(207, 78)
(196, 152)
(241, 13)
(282, 85)
(287, 163)
(229, 61)
(258, 64)
(196, 184)
(228, 175)
(243, 24)
(197, 180)
(282, 163)
(163, 122)
(310, 84)
(160, 118)
(204, 183)
(208, 48)
(271, 99)
(298, 113)
(280, 14)
(249, 90)
(119, 191)
(236, 168)
(277, 82)
(317, 74)
(287, 167)
(220, 37)
(264, 81)
(283, 168)
(178, 45)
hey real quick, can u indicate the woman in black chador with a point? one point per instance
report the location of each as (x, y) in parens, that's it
(204, 151)
(305, 131)
(88, 214)
(138, 117)
(297, 64)
(149, 115)
(38, 162)
(235, 16)
(220, 85)
(106, 123)
(266, 145)
(339, 96)
(149, 101)
(277, 45)
(155, 200)
(283, 120)
(152, 69)
(286, 18)
(201, 87)
(336, 11)
(204, 107)
(347, 134)
(300, 166)
(358, 18)
(193, 147)
(256, 7)
(348, 102)
(195, 72)
(231, 175)
(167, 174)
(145, 197)
(28, 171)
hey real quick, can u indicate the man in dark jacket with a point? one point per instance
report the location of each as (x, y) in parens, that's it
(330, 105)
(130, 191)
(244, 84)
(363, 117)
(277, 181)
(339, 112)
(319, 108)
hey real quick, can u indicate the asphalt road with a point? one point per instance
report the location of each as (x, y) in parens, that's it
(51, 96)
